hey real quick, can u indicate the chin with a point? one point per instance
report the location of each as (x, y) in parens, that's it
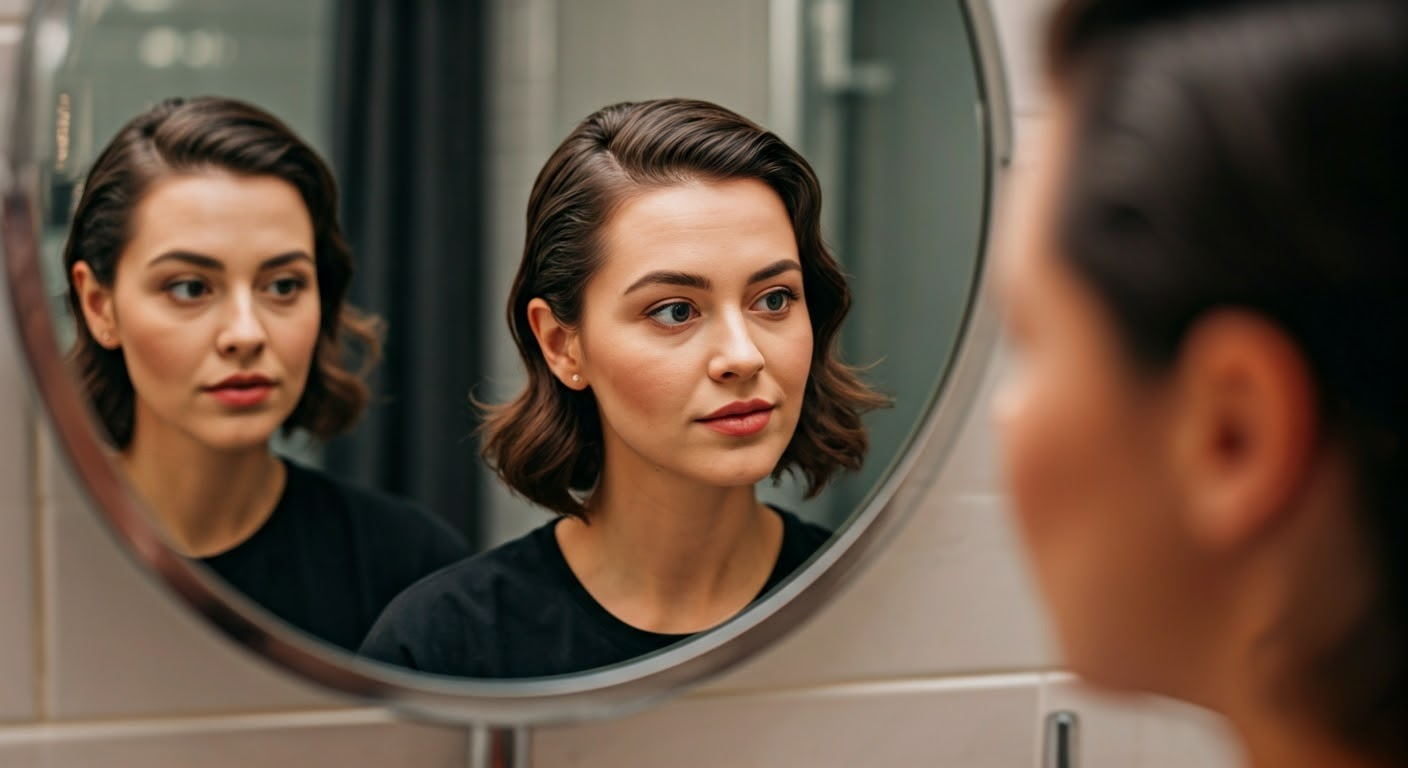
(1113, 666)
(741, 474)
(242, 439)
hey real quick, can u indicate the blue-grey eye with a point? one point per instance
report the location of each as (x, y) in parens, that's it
(187, 290)
(775, 301)
(674, 313)
(287, 287)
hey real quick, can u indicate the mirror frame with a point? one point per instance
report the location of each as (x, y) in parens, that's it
(589, 695)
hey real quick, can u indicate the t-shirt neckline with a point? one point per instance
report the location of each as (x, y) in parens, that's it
(643, 639)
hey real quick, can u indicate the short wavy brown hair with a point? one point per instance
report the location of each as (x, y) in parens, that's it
(191, 136)
(546, 444)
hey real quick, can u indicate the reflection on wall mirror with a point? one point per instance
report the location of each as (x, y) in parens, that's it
(194, 276)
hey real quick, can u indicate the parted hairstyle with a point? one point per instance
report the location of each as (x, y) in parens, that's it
(547, 443)
(1254, 154)
(202, 135)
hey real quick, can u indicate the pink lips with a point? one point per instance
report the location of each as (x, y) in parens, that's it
(242, 390)
(740, 419)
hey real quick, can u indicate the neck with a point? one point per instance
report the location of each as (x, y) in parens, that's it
(1304, 589)
(1279, 724)
(1281, 740)
(672, 556)
(212, 500)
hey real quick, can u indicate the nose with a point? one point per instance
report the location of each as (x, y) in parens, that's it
(243, 335)
(737, 355)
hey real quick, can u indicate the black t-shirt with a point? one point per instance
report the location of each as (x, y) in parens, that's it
(519, 611)
(331, 556)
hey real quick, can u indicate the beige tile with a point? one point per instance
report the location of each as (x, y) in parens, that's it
(974, 724)
(716, 51)
(18, 685)
(1141, 732)
(346, 740)
(121, 645)
(973, 466)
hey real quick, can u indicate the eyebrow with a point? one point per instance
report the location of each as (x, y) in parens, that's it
(691, 280)
(206, 262)
(774, 269)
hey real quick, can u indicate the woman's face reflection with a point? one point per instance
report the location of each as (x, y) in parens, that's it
(215, 307)
(695, 336)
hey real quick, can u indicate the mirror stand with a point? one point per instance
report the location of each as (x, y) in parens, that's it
(495, 747)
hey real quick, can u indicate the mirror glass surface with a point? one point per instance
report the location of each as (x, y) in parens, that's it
(435, 146)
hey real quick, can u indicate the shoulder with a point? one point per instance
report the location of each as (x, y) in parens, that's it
(501, 574)
(799, 534)
(490, 575)
(450, 620)
(800, 540)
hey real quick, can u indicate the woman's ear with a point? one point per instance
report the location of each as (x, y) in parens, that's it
(1245, 427)
(97, 304)
(561, 345)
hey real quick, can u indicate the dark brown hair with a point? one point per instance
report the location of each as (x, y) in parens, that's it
(181, 136)
(547, 443)
(1254, 154)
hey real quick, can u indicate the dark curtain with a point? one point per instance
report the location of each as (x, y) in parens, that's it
(408, 149)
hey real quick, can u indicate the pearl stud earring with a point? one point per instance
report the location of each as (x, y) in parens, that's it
(576, 378)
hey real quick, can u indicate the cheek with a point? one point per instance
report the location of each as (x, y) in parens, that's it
(294, 342)
(639, 379)
(295, 337)
(158, 350)
(1091, 492)
(1066, 459)
(1031, 426)
(788, 355)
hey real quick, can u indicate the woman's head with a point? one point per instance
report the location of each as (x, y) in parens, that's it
(1207, 303)
(674, 267)
(207, 272)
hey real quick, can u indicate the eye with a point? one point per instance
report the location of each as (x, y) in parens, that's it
(674, 314)
(187, 290)
(776, 301)
(287, 287)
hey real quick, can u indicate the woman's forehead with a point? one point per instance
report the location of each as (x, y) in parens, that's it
(723, 230)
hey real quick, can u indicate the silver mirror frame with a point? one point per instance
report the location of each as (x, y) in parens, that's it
(590, 695)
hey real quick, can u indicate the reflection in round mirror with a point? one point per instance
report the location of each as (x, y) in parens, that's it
(435, 125)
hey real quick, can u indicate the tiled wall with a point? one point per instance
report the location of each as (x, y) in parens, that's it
(938, 655)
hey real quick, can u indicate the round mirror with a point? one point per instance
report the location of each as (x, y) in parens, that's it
(435, 120)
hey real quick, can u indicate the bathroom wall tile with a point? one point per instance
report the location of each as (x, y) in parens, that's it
(972, 466)
(1141, 732)
(18, 618)
(120, 645)
(974, 724)
(714, 51)
(1020, 27)
(353, 739)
